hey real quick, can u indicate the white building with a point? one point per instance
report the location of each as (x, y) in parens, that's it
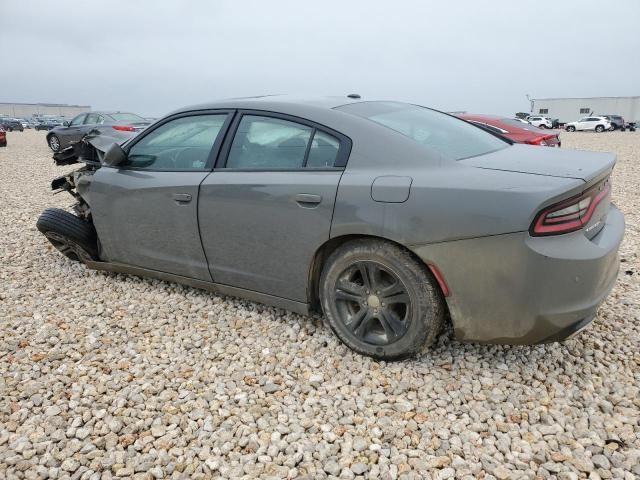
(571, 109)
(28, 110)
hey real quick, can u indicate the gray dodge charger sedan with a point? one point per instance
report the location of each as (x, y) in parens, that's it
(390, 218)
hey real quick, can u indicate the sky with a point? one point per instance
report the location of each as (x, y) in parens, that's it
(481, 56)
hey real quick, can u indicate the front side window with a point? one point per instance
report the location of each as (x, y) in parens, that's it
(78, 120)
(183, 144)
(264, 143)
(447, 135)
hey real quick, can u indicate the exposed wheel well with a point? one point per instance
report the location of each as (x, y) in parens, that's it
(326, 249)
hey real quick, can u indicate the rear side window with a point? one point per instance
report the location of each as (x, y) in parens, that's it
(323, 151)
(92, 119)
(444, 134)
(264, 143)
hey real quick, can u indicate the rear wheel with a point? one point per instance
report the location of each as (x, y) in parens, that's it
(379, 300)
(571, 128)
(599, 128)
(72, 236)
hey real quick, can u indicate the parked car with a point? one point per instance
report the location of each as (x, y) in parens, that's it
(598, 124)
(116, 124)
(11, 124)
(521, 120)
(389, 217)
(48, 123)
(514, 130)
(540, 121)
(3, 137)
(616, 121)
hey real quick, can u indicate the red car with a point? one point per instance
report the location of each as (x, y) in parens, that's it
(514, 130)
(3, 137)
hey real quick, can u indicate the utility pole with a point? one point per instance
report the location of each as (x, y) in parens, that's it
(530, 103)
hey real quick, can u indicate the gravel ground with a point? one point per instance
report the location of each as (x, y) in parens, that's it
(106, 375)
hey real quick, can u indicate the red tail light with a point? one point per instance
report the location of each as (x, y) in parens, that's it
(541, 140)
(569, 215)
(123, 128)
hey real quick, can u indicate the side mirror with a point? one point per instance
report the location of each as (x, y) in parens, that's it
(66, 123)
(114, 155)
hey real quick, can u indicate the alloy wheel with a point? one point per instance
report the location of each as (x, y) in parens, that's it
(373, 303)
(54, 143)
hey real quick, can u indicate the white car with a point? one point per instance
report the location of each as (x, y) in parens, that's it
(540, 121)
(521, 120)
(598, 124)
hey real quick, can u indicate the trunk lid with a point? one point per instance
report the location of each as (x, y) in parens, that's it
(589, 167)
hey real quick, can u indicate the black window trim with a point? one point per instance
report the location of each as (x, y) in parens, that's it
(213, 153)
(344, 149)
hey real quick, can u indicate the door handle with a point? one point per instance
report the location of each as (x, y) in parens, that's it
(182, 197)
(307, 199)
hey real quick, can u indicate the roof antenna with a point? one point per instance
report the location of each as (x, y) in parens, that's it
(354, 95)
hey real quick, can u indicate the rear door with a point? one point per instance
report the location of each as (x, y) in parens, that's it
(267, 207)
(145, 211)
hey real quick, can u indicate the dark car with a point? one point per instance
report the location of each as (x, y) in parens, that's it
(11, 124)
(514, 130)
(113, 124)
(48, 123)
(617, 122)
(390, 218)
(3, 137)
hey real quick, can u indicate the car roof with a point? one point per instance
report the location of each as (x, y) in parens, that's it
(287, 104)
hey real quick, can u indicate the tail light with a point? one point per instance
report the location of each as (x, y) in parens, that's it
(123, 128)
(571, 214)
(541, 140)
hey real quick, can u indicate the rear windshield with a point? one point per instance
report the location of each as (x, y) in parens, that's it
(127, 118)
(517, 124)
(447, 135)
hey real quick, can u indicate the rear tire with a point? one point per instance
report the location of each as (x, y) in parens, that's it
(72, 236)
(571, 129)
(379, 300)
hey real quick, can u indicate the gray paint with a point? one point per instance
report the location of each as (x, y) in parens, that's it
(391, 189)
(251, 231)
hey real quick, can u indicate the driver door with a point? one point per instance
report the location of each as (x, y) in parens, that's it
(145, 211)
(74, 130)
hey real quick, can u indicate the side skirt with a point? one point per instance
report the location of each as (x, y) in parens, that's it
(292, 305)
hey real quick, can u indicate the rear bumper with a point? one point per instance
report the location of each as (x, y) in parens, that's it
(518, 289)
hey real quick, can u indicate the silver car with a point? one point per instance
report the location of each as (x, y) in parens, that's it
(389, 218)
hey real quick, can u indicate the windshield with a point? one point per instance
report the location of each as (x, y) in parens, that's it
(127, 118)
(445, 134)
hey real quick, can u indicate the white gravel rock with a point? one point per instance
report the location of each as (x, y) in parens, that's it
(108, 375)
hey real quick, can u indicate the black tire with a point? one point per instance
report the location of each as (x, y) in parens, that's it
(54, 143)
(74, 237)
(414, 310)
(599, 128)
(571, 128)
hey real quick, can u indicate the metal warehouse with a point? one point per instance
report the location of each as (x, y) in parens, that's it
(571, 109)
(28, 110)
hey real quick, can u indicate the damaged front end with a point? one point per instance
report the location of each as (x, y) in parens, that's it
(73, 234)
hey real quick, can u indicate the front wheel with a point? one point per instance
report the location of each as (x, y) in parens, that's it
(54, 143)
(72, 236)
(599, 128)
(379, 300)
(571, 129)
